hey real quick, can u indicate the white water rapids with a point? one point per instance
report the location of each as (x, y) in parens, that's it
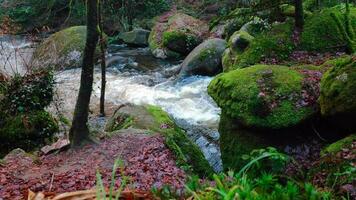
(137, 78)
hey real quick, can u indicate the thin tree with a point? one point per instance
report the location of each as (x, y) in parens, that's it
(79, 132)
(299, 14)
(103, 62)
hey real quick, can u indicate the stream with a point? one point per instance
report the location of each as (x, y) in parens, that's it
(135, 76)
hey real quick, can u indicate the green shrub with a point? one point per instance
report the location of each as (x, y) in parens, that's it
(27, 131)
(28, 93)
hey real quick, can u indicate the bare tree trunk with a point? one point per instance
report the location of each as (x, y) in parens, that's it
(79, 132)
(299, 14)
(103, 64)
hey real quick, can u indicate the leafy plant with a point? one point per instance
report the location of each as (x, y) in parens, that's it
(112, 194)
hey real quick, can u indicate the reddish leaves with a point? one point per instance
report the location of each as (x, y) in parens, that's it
(148, 163)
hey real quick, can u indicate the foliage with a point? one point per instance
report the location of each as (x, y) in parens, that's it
(245, 184)
(28, 93)
(27, 130)
(111, 195)
(23, 121)
(31, 14)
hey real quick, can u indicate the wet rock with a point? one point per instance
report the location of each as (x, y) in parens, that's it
(62, 50)
(137, 37)
(176, 35)
(205, 59)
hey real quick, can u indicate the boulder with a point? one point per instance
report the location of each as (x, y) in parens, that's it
(155, 120)
(176, 34)
(264, 96)
(246, 48)
(240, 40)
(61, 50)
(321, 32)
(338, 93)
(205, 59)
(136, 37)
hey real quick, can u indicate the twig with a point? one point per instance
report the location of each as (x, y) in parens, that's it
(51, 184)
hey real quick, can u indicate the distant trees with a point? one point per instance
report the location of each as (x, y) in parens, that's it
(79, 132)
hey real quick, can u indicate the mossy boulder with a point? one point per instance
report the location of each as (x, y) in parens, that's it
(205, 59)
(62, 50)
(338, 93)
(240, 40)
(321, 31)
(136, 37)
(338, 145)
(263, 96)
(176, 34)
(155, 120)
(27, 131)
(269, 46)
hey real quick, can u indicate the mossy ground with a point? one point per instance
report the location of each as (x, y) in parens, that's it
(261, 96)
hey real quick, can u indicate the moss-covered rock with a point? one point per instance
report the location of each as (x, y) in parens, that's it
(155, 120)
(176, 34)
(321, 31)
(136, 37)
(205, 59)
(61, 50)
(338, 145)
(239, 41)
(338, 92)
(275, 44)
(27, 131)
(262, 96)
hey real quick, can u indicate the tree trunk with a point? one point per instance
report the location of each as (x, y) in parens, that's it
(79, 132)
(299, 14)
(103, 63)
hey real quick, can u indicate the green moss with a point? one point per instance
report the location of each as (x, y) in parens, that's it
(339, 145)
(321, 32)
(274, 44)
(239, 41)
(56, 50)
(179, 143)
(261, 96)
(338, 91)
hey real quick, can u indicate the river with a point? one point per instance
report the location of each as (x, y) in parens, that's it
(135, 76)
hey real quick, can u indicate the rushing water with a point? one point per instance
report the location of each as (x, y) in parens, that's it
(134, 76)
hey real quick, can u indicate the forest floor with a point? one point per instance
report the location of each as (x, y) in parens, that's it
(147, 163)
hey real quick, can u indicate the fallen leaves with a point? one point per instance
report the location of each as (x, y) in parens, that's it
(147, 160)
